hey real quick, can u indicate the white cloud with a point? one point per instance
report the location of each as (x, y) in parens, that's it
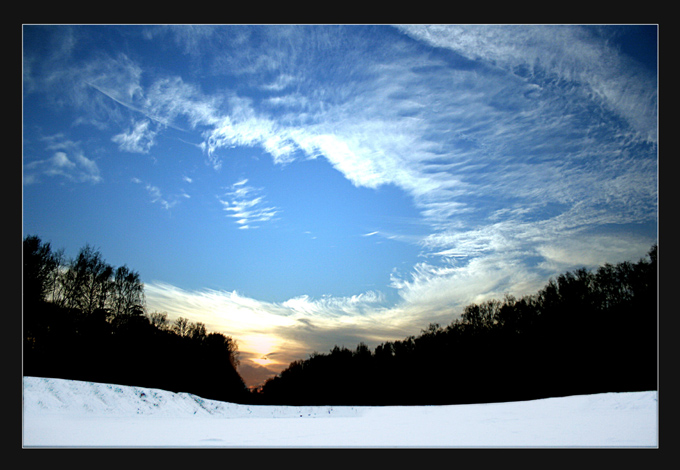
(282, 82)
(168, 100)
(247, 205)
(157, 197)
(291, 329)
(138, 139)
(443, 290)
(67, 161)
(503, 156)
(334, 308)
(568, 53)
(525, 147)
(592, 250)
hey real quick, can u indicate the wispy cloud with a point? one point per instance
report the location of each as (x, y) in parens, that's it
(284, 331)
(247, 205)
(138, 139)
(570, 53)
(67, 161)
(522, 148)
(498, 142)
(433, 289)
(157, 196)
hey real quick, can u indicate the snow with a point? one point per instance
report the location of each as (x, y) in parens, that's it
(68, 413)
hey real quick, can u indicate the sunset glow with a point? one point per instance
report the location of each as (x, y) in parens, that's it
(298, 187)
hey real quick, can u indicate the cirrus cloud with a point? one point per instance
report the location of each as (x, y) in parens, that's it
(522, 150)
(247, 205)
(67, 161)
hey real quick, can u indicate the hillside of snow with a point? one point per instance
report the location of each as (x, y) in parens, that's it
(67, 413)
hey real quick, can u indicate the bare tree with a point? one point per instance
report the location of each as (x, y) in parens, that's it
(159, 320)
(181, 326)
(196, 331)
(39, 266)
(55, 293)
(87, 281)
(127, 292)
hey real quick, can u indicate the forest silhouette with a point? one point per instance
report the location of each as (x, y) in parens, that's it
(85, 320)
(583, 332)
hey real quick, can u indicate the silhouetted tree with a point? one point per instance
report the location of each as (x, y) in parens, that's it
(87, 282)
(181, 326)
(159, 320)
(223, 344)
(196, 331)
(39, 267)
(127, 292)
(85, 320)
(583, 332)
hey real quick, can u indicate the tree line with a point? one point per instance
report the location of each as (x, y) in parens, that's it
(84, 319)
(584, 332)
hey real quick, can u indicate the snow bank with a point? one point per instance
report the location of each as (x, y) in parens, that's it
(72, 397)
(83, 414)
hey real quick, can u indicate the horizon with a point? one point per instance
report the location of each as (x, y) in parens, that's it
(301, 187)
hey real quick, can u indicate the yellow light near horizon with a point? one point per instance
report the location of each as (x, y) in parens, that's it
(259, 346)
(262, 361)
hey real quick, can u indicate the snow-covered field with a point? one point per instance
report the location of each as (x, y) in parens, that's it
(66, 413)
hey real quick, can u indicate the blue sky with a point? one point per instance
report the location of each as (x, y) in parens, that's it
(298, 187)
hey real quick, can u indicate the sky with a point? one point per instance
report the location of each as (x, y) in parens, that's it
(298, 187)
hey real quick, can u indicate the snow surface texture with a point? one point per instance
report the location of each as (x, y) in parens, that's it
(67, 413)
